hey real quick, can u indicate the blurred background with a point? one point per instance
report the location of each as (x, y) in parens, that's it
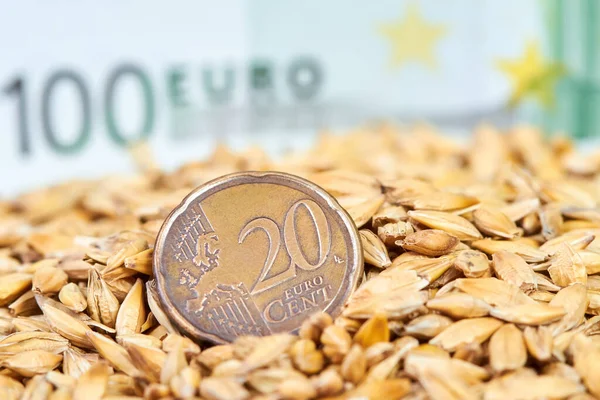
(79, 81)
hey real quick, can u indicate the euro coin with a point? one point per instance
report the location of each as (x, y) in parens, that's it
(255, 253)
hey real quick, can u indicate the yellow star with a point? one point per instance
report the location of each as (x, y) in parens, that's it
(532, 76)
(412, 38)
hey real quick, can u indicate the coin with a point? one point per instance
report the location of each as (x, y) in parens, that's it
(255, 253)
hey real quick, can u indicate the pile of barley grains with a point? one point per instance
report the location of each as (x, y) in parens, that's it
(481, 279)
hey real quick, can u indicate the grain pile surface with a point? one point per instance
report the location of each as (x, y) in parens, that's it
(482, 279)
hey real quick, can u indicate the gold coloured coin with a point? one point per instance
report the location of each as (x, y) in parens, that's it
(255, 253)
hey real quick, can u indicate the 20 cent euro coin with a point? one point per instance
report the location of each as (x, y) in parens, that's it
(255, 253)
